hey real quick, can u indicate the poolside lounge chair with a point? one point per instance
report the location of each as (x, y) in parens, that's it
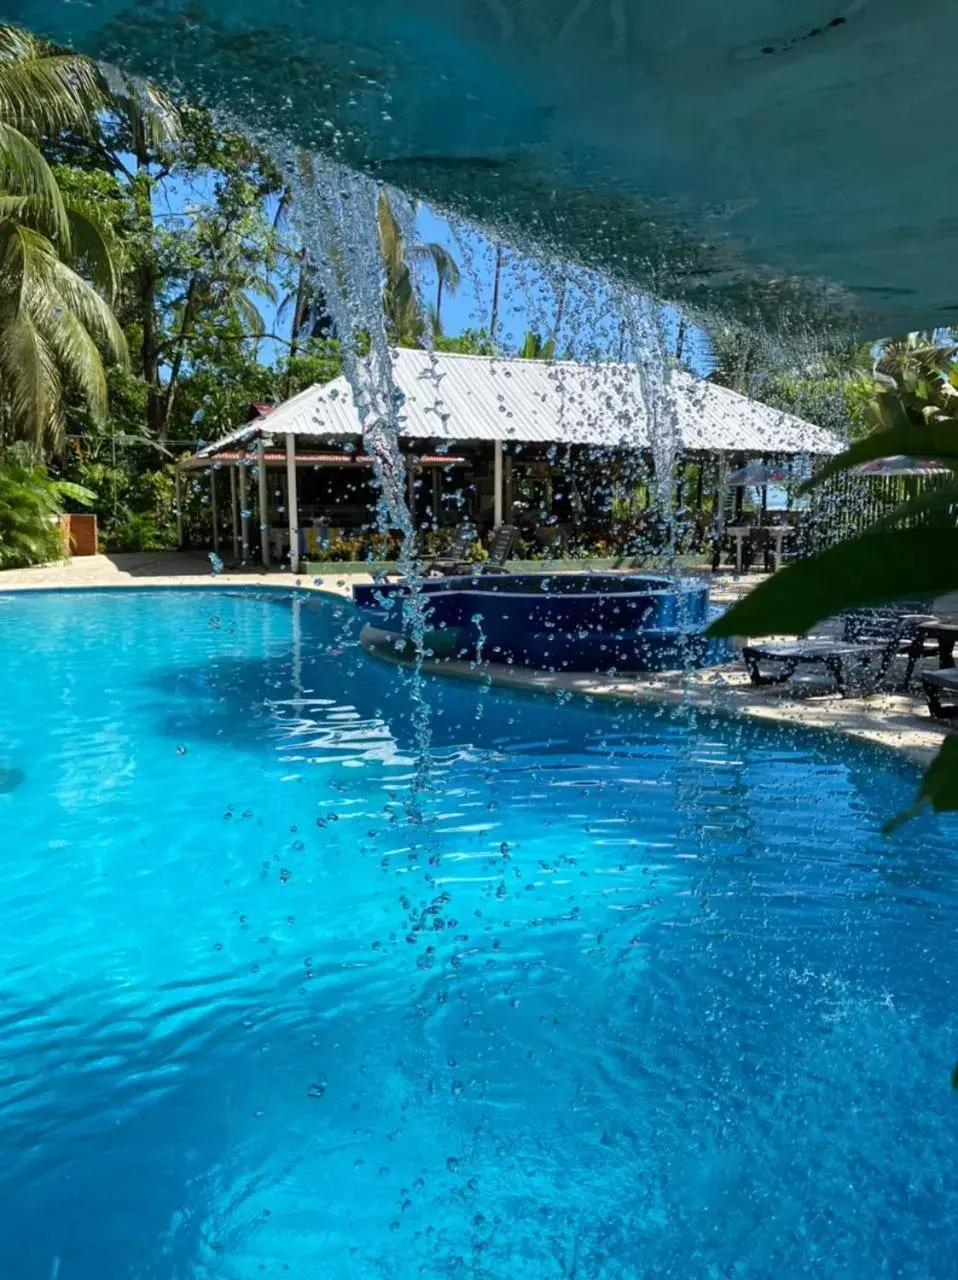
(449, 561)
(500, 549)
(871, 640)
(941, 691)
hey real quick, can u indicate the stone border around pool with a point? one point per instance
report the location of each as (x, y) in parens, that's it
(883, 720)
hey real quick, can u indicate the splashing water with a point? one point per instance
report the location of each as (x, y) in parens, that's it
(337, 213)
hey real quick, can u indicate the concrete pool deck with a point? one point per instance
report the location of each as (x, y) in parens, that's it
(893, 720)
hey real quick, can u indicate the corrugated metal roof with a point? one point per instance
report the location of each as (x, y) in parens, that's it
(276, 458)
(453, 397)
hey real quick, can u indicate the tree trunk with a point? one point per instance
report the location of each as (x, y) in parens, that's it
(494, 318)
(439, 284)
(146, 288)
(680, 338)
(560, 307)
(296, 329)
(179, 348)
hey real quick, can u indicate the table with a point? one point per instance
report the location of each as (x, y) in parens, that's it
(739, 532)
(945, 633)
(777, 532)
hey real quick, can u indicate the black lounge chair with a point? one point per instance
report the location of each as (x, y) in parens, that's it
(500, 549)
(787, 656)
(871, 640)
(449, 561)
(941, 691)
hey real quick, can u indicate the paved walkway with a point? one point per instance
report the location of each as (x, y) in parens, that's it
(891, 720)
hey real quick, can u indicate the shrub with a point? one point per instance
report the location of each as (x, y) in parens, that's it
(30, 504)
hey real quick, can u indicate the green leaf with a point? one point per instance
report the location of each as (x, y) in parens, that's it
(77, 492)
(938, 440)
(873, 569)
(939, 787)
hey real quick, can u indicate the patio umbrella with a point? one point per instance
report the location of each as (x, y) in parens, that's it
(757, 473)
(901, 465)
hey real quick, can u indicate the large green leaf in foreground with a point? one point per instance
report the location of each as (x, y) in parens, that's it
(873, 569)
(939, 787)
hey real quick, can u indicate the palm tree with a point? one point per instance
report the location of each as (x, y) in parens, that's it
(447, 275)
(150, 126)
(918, 355)
(53, 324)
(736, 356)
(404, 316)
(535, 347)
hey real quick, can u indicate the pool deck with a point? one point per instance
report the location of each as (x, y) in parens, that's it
(892, 720)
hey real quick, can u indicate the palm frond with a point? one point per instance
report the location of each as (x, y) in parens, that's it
(44, 89)
(33, 211)
(153, 116)
(91, 309)
(76, 354)
(441, 260)
(24, 172)
(31, 380)
(95, 248)
(248, 313)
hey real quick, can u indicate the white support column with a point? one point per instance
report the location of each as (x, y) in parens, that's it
(263, 503)
(178, 478)
(244, 512)
(216, 523)
(292, 502)
(497, 483)
(720, 495)
(234, 512)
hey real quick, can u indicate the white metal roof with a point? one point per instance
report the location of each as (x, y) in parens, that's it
(482, 398)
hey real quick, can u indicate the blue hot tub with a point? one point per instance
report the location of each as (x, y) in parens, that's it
(560, 622)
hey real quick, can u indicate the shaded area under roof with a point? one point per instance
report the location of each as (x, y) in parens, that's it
(486, 398)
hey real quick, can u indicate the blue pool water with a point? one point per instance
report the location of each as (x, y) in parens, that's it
(615, 995)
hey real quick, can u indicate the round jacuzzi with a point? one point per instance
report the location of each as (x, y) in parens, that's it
(554, 621)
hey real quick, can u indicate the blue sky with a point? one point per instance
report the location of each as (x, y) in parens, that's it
(528, 291)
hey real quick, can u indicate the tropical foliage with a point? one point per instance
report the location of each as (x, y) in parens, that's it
(58, 269)
(914, 411)
(30, 505)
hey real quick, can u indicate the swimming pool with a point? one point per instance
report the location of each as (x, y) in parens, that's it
(615, 996)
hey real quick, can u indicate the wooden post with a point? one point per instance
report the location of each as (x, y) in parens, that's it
(436, 498)
(263, 504)
(216, 526)
(497, 483)
(234, 512)
(244, 512)
(292, 502)
(411, 487)
(179, 506)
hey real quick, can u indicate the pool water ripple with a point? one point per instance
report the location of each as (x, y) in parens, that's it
(633, 996)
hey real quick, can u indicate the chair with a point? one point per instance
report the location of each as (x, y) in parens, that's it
(871, 638)
(758, 543)
(449, 561)
(941, 692)
(500, 549)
